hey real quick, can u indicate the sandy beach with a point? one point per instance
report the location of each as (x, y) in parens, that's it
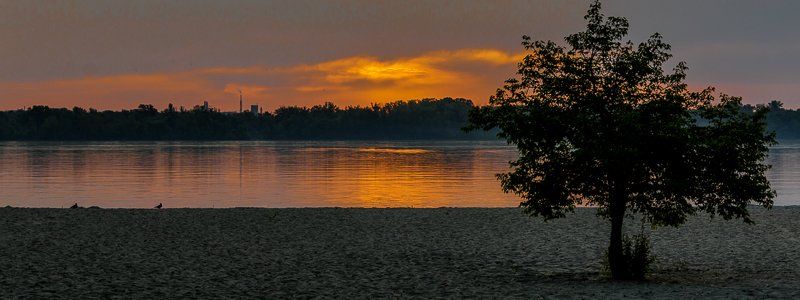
(368, 253)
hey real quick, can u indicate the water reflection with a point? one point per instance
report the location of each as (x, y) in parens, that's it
(263, 174)
(785, 173)
(280, 174)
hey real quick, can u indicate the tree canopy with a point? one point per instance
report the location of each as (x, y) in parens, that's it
(598, 121)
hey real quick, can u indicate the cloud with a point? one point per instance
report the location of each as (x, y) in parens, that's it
(470, 73)
(427, 69)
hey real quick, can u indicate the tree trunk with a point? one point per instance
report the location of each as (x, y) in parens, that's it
(615, 258)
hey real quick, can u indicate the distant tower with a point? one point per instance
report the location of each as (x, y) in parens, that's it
(240, 102)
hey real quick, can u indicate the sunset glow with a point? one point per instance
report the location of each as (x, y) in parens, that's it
(116, 55)
(356, 80)
(348, 149)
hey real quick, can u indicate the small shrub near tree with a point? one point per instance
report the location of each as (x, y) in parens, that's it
(636, 259)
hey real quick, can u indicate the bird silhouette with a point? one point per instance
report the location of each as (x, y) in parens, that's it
(159, 206)
(75, 206)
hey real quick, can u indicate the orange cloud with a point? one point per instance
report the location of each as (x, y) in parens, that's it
(469, 73)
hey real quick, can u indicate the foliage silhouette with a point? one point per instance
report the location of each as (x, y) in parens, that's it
(424, 119)
(598, 122)
(415, 119)
(636, 258)
(784, 122)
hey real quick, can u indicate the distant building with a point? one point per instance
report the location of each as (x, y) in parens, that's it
(205, 105)
(254, 109)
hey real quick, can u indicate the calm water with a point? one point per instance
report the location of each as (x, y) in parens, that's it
(279, 174)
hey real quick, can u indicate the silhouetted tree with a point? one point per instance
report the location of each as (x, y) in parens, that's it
(598, 122)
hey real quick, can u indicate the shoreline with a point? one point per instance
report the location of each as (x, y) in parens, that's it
(380, 252)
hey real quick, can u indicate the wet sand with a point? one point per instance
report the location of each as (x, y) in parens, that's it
(347, 253)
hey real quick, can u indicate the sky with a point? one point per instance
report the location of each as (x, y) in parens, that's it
(116, 54)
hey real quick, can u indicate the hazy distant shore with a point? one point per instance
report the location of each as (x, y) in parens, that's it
(460, 252)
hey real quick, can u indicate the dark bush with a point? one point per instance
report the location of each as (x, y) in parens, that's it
(637, 261)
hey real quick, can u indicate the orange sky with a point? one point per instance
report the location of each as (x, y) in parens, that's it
(116, 54)
(356, 80)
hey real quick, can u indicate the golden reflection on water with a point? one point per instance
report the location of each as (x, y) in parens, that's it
(254, 174)
(395, 151)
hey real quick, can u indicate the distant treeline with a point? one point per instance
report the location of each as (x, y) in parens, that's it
(416, 119)
(785, 122)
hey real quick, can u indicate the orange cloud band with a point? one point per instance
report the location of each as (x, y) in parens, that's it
(468, 73)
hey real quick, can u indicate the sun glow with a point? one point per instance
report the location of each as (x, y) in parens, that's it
(358, 80)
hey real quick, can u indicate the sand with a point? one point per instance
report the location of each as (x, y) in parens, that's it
(369, 253)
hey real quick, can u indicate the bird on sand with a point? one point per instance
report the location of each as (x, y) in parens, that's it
(75, 206)
(159, 206)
